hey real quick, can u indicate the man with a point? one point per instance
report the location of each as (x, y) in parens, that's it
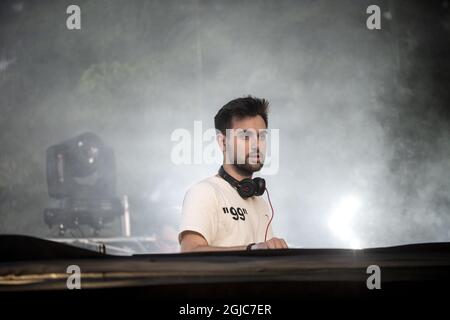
(226, 211)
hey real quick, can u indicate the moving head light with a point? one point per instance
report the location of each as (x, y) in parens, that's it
(81, 179)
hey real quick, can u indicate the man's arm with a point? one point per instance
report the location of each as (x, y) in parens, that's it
(194, 242)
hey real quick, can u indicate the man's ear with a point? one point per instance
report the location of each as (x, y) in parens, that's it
(221, 141)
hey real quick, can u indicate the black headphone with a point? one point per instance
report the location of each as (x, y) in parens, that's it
(246, 187)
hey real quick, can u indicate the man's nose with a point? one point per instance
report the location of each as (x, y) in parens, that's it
(254, 143)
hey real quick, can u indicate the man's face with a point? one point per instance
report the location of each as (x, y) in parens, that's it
(245, 143)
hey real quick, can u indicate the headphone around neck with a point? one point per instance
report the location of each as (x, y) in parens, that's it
(246, 187)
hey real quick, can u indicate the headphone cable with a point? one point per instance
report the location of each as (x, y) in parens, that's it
(271, 207)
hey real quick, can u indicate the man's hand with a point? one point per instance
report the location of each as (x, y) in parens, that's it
(194, 241)
(274, 243)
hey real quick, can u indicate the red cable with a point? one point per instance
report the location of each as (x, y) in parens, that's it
(270, 203)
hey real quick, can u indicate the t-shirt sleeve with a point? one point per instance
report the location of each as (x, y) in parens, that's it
(199, 211)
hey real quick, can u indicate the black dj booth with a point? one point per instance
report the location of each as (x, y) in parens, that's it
(35, 271)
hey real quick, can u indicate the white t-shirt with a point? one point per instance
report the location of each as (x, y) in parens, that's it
(213, 208)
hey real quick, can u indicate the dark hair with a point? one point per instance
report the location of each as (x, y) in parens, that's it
(240, 108)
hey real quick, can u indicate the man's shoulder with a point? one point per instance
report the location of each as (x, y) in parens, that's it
(208, 185)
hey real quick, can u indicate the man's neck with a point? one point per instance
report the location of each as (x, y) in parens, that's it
(235, 172)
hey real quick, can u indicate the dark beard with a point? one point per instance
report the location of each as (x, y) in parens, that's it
(247, 169)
